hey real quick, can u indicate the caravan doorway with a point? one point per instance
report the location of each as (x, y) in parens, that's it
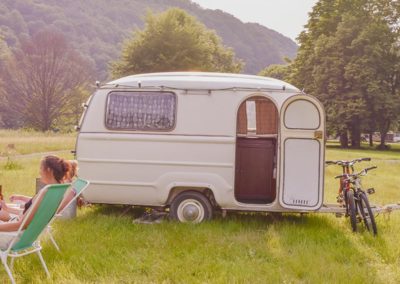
(256, 150)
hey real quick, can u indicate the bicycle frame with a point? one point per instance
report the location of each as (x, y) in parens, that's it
(344, 183)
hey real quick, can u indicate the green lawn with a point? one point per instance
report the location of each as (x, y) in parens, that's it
(101, 246)
(26, 142)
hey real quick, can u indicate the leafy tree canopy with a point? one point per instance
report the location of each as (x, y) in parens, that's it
(349, 59)
(278, 71)
(174, 41)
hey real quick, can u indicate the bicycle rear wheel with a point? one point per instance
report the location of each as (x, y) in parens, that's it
(351, 209)
(366, 213)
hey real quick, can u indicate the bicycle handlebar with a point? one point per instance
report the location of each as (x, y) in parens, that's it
(346, 163)
(361, 173)
(370, 168)
(344, 175)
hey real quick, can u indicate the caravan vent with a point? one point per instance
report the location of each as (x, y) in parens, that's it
(300, 201)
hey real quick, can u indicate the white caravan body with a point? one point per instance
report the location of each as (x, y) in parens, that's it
(245, 143)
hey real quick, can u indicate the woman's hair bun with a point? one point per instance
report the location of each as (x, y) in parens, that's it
(58, 166)
(65, 166)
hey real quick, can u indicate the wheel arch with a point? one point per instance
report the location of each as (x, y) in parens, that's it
(205, 190)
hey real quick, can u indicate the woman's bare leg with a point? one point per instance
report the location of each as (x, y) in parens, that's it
(4, 216)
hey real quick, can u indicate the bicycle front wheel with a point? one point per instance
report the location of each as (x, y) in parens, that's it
(366, 213)
(351, 209)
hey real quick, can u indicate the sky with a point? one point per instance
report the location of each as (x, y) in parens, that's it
(284, 16)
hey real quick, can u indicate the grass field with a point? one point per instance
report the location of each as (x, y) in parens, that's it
(103, 246)
(27, 142)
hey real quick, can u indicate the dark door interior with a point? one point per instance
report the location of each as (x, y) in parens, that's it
(254, 181)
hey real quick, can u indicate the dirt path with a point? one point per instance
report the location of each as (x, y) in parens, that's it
(34, 155)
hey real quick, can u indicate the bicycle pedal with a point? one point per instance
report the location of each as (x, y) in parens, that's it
(371, 190)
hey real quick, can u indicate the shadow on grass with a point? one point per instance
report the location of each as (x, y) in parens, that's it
(245, 219)
(115, 210)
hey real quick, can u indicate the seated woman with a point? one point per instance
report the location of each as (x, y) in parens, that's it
(68, 178)
(53, 170)
(25, 201)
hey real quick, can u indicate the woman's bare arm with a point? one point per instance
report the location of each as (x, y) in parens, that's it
(16, 197)
(10, 226)
(5, 207)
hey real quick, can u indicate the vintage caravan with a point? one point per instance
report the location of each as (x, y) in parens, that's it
(194, 143)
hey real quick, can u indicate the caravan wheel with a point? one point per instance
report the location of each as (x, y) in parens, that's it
(191, 207)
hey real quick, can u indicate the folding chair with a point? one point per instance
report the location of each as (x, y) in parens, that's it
(36, 220)
(79, 185)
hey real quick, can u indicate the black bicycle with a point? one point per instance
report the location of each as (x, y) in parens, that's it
(353, 197)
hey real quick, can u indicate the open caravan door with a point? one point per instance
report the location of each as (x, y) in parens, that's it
(302, 151)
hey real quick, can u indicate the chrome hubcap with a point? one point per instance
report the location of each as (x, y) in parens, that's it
(190, 210)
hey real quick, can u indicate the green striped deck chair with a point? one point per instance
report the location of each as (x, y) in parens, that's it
(36, 220)
(79, 185)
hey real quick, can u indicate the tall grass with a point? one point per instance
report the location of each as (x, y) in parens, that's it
(103, 246)
(20, 142)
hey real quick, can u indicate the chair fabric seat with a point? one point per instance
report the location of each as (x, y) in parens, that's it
(6, 238)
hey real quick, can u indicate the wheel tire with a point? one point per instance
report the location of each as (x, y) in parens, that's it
(351, 208)
(191, 207)
(367, 214)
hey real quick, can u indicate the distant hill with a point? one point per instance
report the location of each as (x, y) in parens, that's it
(98, 27)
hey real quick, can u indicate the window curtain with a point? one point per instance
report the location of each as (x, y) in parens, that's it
(242, 119)
(266, 117)
(141, 111)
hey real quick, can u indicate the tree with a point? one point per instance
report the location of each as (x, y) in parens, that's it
(41, 80)
(174, 41)
(347, 58)
(4, 53)
(374, 71)
(277, 71)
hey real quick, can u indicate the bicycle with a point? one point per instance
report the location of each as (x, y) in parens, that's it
(353, 197)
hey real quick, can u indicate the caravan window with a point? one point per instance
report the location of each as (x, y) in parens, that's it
(257, 116)
(149, 111)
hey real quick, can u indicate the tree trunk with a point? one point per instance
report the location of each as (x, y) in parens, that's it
(344, 139)
(355, 135)
(384, 129)
(371, 141)
(382, 145)
(383, 132)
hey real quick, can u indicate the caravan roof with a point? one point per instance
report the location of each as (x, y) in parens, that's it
(203, 81)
